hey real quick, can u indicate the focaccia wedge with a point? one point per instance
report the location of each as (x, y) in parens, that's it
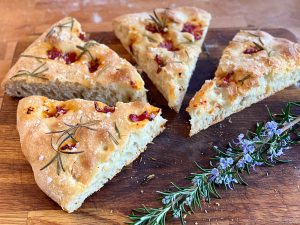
(253, 66)
(166, 45)
(61, 65)
(74, 147)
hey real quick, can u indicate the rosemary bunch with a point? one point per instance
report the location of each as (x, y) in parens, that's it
(262, 147)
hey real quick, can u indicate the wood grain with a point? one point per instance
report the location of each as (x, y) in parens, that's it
(272, 199)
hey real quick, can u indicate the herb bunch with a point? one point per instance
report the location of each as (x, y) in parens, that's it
(262, 147)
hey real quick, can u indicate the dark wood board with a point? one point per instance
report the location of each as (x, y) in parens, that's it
(272, 199)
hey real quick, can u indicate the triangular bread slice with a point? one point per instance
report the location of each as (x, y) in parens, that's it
(253, 66)
(166, 45)
(74, 147)
(61, 65)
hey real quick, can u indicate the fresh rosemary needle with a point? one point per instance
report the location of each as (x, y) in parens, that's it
(264, 146)
(37, 72)
(65, 135)
(85, 49)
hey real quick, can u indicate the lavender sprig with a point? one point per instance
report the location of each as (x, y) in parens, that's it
(262, 147)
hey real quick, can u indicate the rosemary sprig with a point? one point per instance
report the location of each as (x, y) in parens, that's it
(160, 23)
(68, 24)
(37, 72)
(65, 135)
(39, 59)
(262, 147)
(85, 49)
(260, 44)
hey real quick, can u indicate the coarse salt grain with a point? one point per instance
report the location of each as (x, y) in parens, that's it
(41, 158)
(49, 180)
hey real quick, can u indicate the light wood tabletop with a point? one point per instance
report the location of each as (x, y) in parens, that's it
(22, 21)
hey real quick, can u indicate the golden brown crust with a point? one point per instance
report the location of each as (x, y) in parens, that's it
(168, 53)
(64, 36)
(239, 72)
(253, 66)
(106, 133)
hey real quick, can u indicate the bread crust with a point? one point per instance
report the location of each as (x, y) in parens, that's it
(253, 66)
(172, 79)
(64, 36)
(100, 142)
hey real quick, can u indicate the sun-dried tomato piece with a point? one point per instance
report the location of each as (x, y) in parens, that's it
(168, 44)
(105, 109)
(160, 63)
(82, 36)
(195, 30)
(68, 146)
(60, 111)
(70, 57)
(30, 110)
(93, 65)
(54, 53)
(152, 28)
(252, 50)
(145, 115)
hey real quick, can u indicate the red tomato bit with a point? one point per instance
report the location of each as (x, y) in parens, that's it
(145, 115)
(152, 28)
(68, 146)
(54, 53)
(70, 57)
(60, 111)
(93, 65)
(105, 109)
(252, 49)
(160, 63)
(168, 44)
(226, 79)
(195, 30)
(82, 36)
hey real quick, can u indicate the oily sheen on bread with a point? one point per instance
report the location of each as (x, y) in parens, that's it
(253, 66)
(61, 65)
(166, 45)
(74, 147)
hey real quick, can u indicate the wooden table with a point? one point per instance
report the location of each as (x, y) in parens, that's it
(273, 194)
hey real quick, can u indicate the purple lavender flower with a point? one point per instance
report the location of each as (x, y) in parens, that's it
(229, 180)
(248, 158)
(225, 162)
(166, 200)
(271, 129)
(214, 174)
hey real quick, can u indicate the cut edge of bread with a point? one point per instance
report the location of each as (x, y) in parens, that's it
(135, 145)
(200, 122)
(177, 103)
(69, 90)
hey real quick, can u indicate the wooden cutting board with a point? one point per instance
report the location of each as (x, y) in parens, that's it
(272, 196)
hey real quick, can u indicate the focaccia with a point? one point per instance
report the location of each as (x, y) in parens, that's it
(61, 65)
(74, 147)
(253, 66)
(165, 45)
